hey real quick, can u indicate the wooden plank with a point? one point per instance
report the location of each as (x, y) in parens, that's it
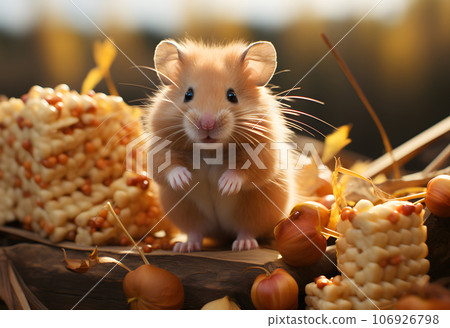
(43, 270)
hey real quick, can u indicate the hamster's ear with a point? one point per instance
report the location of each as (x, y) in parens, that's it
(167, 60)
(260, 58)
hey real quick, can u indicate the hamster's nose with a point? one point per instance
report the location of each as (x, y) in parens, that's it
(207, 122)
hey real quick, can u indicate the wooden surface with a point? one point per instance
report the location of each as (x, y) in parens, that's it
(204, 279)
(205, 275)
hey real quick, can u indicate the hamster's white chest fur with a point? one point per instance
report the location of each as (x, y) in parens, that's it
(217, 208)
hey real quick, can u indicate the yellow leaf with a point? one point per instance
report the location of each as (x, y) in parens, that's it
(104, 54)
(335, 142)
(338, 192)
(94, 76)
(334, 216)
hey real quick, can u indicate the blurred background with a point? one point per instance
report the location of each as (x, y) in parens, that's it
(399, 52)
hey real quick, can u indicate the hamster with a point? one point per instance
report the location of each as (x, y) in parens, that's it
(214, 98)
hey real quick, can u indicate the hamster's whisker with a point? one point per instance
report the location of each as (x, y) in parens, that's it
(247, 137)
(138, 86)
(248, 130)
(282, 71)
(183, 135)
(299, 113)
(179, 110)
(158, 72)
(247, 127)
(141, 100)
(122, 137)
(298, 128)
(287, 91)
(165, 129)
(252, 117)
(258, 127)
(259, 132)
(296, 123)
(110, 116)
(172, 134)
(279, 184)
(236, 141)
(168, 100)
(171, 127)
(303, 98)
(284, 105)
(254, 113)
(251, 120)
(290, 112)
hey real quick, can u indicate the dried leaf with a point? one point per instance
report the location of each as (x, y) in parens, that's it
(106, 259)
(78, 265)
(384, 196)
(93, 257)
(335, 141)
(339, 191)
(405, 192)
(82, 266)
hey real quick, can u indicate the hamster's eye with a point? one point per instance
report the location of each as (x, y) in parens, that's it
(189, 95)
(231, 96)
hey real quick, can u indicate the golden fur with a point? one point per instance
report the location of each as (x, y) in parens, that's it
(211, 70)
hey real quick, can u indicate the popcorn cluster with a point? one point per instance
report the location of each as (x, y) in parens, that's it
(62, 156)
(380, 255)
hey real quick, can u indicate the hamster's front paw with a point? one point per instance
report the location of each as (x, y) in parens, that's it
(179, 177)
(244, 242)
(230, 182)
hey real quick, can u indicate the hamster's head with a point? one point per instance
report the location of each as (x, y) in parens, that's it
(211, 93)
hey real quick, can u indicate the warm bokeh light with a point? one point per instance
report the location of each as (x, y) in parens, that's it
(399, 52)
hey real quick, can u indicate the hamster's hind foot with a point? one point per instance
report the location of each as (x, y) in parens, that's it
(244, 242)
(187, 247)
(193, 244)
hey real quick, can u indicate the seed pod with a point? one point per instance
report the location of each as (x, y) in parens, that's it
(152, 288)
(298, 238)
(437, 198)
(275, 291)
(223, 303)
